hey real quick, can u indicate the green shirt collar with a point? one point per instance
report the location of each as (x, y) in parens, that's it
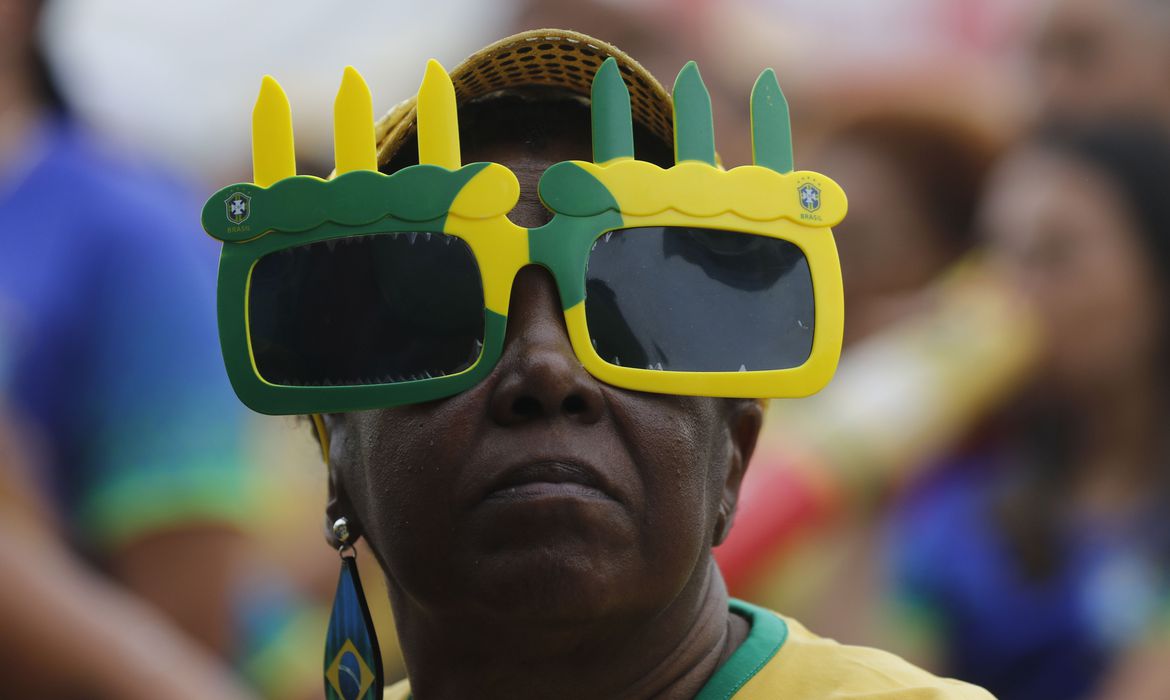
(767, 635)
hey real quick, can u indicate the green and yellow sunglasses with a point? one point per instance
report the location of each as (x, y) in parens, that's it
(370, 290)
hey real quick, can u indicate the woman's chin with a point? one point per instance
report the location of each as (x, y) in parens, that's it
(550, 584)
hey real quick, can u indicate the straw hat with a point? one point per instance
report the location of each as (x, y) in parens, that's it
(550, 57)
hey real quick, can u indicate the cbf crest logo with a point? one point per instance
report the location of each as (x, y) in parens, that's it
(810, 196)
(239, 207)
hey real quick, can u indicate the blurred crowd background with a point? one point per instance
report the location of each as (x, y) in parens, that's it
(982, 488)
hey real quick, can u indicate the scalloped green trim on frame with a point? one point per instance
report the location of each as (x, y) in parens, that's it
(294, 204)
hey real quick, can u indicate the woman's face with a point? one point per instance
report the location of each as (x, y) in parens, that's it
(541, 493)
(1064, 234)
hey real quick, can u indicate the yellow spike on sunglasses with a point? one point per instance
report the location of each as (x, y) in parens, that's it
(273, 155)
(438, 122)
(353, 125)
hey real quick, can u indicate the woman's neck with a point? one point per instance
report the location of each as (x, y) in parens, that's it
(666, 655)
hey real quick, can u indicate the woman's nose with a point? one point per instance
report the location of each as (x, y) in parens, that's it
(540, 377)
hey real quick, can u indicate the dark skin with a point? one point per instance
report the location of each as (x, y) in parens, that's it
(544, 534)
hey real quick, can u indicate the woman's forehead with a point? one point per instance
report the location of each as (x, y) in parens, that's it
(528, 161)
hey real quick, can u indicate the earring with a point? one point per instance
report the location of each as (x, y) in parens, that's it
(353, 662)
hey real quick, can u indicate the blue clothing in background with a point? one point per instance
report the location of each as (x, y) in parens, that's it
(1023, 639)
(108, 288)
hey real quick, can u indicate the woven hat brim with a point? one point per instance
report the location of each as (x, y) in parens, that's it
(557, 58)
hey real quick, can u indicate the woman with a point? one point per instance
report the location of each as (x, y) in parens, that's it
(1044, 568)
(543, 533)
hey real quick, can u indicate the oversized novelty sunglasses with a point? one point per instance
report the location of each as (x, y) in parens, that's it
(372, 290)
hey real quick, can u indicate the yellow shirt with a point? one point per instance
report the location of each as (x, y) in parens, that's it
(780, 659)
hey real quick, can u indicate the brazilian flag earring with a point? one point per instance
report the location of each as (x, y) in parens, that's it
(353, 662)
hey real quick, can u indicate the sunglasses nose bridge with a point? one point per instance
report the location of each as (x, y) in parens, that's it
(535, 311)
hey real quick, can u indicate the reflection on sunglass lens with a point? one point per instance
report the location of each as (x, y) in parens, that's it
(698, 300)
(372, 309)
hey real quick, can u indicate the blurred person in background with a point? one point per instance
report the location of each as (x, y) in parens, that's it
(1041, 567)
(915, 175)
(67, 633)
(1097, 59)
(921, 312)
(114, 364)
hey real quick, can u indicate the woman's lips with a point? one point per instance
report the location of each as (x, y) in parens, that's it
(547, 479)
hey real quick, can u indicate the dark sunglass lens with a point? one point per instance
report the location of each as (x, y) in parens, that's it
(372, 309)
(699, 300)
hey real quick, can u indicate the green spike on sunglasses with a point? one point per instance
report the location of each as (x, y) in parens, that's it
(771, 127)
(613, 123)
(694, 130)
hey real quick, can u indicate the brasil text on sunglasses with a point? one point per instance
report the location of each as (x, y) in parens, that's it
(371, 290)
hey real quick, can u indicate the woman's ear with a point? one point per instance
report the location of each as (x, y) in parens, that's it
(744, 420)
(337, 504)
(337, 507)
